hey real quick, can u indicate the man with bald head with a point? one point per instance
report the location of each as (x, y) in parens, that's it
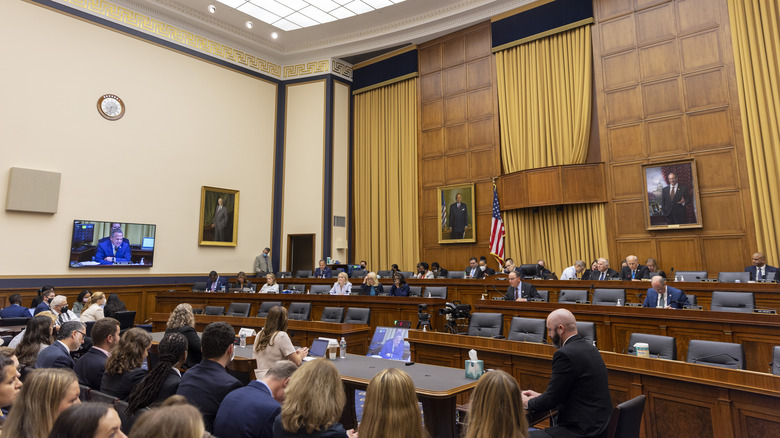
(634, 271)
(760, 270)
(578, 387)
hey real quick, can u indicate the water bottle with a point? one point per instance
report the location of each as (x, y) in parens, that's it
(243, 340)
(343, 345)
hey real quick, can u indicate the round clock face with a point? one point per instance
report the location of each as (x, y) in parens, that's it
(111, 107)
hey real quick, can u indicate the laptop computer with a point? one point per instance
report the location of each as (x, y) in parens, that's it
(147, 243)
(318, 349)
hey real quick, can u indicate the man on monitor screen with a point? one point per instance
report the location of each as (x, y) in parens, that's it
(114, 250)
(394, 348)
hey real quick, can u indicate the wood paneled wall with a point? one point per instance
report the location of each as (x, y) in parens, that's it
(458, 136)
(665, 89)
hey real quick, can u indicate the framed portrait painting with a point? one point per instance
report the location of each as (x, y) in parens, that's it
(218, 217)
(672, 195)
(457, 214)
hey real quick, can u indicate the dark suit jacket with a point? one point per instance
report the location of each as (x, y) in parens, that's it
(55, 355)
(676, 298)
(247, 412)
(106, 249)
(402, 291)
(527, 290)
(193, 345)
(477, 272)
(42, 307)
(578, 388)
(751, 269)
(674, 212)
(121, 385)
(15, 311)
(221, 281)
(641, 272)
(366, 289)
(90, 367)
(458, 219)
(204, 386)
(169, 387)
(595, 275)
(323, 273)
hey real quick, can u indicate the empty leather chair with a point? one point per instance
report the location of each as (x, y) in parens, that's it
(489, 325)
(360, 273)
(414, 291)
(332, 314)
(303, 273)
(214, 310)
(436, 292)
(545, 294)
(265, 306)
(528, 330)
(732, 302)
(692, 300)
(775, 361)
(456, 274)
(299, 311)
(690, 275)
(572, 295)
(297, 288)
(626, 418)
(320, 289)
(587, 330)
(384, 274)
(733, 277)
(407, 274)
(662, 347)
(239, 309)
(609, 297)
(126, 319)
(199, 286)
(358, 315)
(284, 274)
(198, 311)
(718, 354)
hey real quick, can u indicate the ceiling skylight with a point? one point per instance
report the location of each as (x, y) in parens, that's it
(297, 14)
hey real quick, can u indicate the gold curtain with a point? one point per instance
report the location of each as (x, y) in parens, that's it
(385, 159)
(755, 32)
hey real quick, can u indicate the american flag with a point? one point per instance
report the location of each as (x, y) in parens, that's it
(497, 230)
(443, 211)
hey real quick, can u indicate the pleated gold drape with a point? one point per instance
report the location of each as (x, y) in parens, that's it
(385, 159)
(755, 32)
(545, 95)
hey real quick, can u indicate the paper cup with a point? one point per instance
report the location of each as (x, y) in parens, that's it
(642, 349)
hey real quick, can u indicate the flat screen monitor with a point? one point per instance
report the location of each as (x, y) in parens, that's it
(105, 244)
(390, 343)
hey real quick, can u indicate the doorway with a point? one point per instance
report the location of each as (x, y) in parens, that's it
(300, 252)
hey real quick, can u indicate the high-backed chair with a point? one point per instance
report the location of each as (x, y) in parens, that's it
(609, 297)
(572, 295)
(489, 325)
(299, 311)
(545, 294)
(384, 274)
(662, 347)
(775, 365)
(456, 274)
(717, 354)
(303, 273)
(5, 322)
(407, 274)
(627, 418)
(358, 315)
(284, 274)
(733, 277)
(126, 319)
(265, 306)
(85, 393)
(214, 310)
(199, 286)
(528, 330)
(732, 302)
(297, 288)
(587, 330)
(360, 273)
(320, 289)
(692, 300)
(691, 275)
(436, 292)
(332, 314)
(197, 311)
(414, 291)
(238, 309)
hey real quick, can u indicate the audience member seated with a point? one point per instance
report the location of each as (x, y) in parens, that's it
(371, 285)
(509, 266)
(242, 282)
(573, 272)
(391, 407)
(59, 307)
(423, 271)
(216, 283)
(37, 300)
(174, 421)
(652, 266)
(15, 309)
(57, 355)
(34, 338)
(519, 290)
(46, 298)
(88, 420)
(634, 271)
(399, 287)
(90, 367)
(113, 305)
(496, 394)
(207, 383)
(670, 297)
(603, 271)
(123, 367)
(323, 271)
(314, 401)
(10, 385)
(273, 343)
(438, 271)
(44, 395)
(163, 379)
(93, 310)
(759, 269)
(483, 266)
(394, 348)
(183, 321)
(249, 412)
(342, 286)
(81, 301)
(473, 270)
(270, 286)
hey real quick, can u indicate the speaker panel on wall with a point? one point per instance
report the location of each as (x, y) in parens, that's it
(35, 191)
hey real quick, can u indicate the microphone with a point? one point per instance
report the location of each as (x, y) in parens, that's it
(527, 336)
(710, 356)
(499, 298)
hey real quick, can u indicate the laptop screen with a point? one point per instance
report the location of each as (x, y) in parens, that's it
(318, 348)
(148, 243)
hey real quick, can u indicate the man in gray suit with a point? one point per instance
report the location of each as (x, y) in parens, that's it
(263, 264)
(219, 222)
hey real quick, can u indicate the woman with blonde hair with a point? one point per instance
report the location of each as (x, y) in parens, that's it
(45, 394)
(371, 285)
(172, 421)
(496, 408)
(123, 367)
(273, 343)
(93, 310)
(313, 402)
(183, 321)
(342, 286)
(270, 286)
(391, 408)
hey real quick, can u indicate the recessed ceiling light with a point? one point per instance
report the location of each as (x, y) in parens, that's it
(212, 9)
(248, 24)
(274, 35)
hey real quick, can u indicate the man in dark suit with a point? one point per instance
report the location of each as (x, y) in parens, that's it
(674, 198)
(91, 366)
(603, 271)
(249, 412)
(323, 271)
(207, 383)
(578, 387)
(458, 218)
(46, 298)
(219, 222)
(518, 290)
(634, 271)
(215, 283)
(114, 250)
(15, 310)
(758, 271)
(57, 355)
(670, 298)
(473, 270)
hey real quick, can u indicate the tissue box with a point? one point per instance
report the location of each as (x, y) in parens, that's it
(474, 369)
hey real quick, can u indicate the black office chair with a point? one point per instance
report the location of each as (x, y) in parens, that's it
(436, 292)
(358, 315)
(717, 354)
(126, 319)
(609, 297)
(572, 295)
(303, 273)
(692, 301)
(488, 325)
(742, 302)
(691, 275)
(214, 310)
(545, 294)
(384, 274)
(407, 274)
(627, 418)
(587, 330)
(299, 311)
(332, 314)
(89, 325)
(199, 286)
(320, 289)
(85, 393)
(284, 274)
(662, 347)
(528, 330)
(775, 365)
(733, 277)
(7, 322)
(415, 291)
(297, 288)
(360, 273)
(529, 270)
(262, 312)
(239, 309)
(198, 311)
(456, 274)
(102, 397)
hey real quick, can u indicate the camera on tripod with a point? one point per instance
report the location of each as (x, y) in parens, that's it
(455, 310)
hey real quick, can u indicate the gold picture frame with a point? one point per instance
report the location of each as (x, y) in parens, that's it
(669, 209)
(456, 221)
(218, 226)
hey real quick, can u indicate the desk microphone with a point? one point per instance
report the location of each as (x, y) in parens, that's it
(710, 356)
(497, 291)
